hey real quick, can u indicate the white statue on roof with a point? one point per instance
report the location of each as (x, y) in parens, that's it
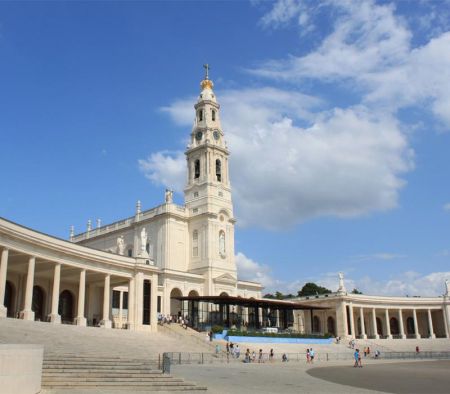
(341, 288)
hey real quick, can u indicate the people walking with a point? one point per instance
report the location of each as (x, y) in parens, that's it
(356, 357)
(308, 357)
(312, 355)
(247, 356)
(271, 355)
(237, 351)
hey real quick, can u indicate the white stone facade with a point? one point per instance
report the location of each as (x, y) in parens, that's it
(361, 316)
(124, 273)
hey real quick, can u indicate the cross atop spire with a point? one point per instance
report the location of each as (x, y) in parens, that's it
(206, 67)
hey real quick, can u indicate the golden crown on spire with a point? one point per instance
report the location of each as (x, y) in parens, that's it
(206, 83)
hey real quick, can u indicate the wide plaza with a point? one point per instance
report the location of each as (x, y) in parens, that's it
(377, 376)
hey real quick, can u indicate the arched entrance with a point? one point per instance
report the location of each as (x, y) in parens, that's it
(175, 305)
(393, 322)
(37, 304)
(65, 307)
(330, 326)
(410, 326)
(316, 324)
(379, 327)
(9, 297)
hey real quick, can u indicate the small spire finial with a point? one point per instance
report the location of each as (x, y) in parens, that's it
(99, 223)
(206, 67)
(206, 82)
(138, 207)
(89, 225)
(72, 232)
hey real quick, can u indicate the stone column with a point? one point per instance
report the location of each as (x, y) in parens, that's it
(363, 327)
(120, 308)
(400, 321)
(3, 273)
(106, 323)
(388, 325)
(430, 325)
(154, 302)
(54, 316)
(131, 304)
(81, 320)
(27, 312)
(352, 321)
(341, 319)
(446, 322)
(416, 326)
(374, 324)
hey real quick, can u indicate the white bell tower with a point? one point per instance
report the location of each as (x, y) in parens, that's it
(208, 191)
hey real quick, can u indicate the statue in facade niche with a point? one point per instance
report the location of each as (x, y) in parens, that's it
(169, 196)
(447, 287)
(222, 243)
(144, 238)
(121, 245)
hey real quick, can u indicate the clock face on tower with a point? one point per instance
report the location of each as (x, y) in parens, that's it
(198, 136)
(216, 135)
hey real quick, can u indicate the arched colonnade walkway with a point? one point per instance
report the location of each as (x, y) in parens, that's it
(48, 279)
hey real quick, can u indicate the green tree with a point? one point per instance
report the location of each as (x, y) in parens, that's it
(310, 289)
(356, 291)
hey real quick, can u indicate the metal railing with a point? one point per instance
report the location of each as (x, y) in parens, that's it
(180, 358)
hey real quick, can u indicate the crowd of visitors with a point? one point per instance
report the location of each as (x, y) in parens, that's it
(169, 319)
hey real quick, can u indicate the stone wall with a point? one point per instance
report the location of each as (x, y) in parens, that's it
(21, 368)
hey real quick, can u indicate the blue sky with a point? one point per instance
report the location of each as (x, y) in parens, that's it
(337, 115)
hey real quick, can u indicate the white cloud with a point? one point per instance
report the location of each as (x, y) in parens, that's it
(165, 168)
(408, 283)
(282, 11)
(250, 270)
(447, 206)
(370, 51)
(290, 163)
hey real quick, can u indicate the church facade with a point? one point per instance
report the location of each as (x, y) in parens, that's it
(123, 274)
(164, 253)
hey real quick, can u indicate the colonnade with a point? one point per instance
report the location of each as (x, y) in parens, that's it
(135, 295)
(354, 310)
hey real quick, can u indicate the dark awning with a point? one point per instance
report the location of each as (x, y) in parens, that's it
(250, 302)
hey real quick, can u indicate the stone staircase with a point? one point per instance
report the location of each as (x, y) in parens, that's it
(86, 372)
(188, 335)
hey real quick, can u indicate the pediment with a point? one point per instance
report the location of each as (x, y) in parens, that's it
(225, 279)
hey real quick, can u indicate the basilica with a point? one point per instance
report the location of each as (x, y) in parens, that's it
(124, 274)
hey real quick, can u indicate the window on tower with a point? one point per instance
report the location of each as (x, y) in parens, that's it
(213, 115)
(200, 115)
(219, 170)
(197, 169)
